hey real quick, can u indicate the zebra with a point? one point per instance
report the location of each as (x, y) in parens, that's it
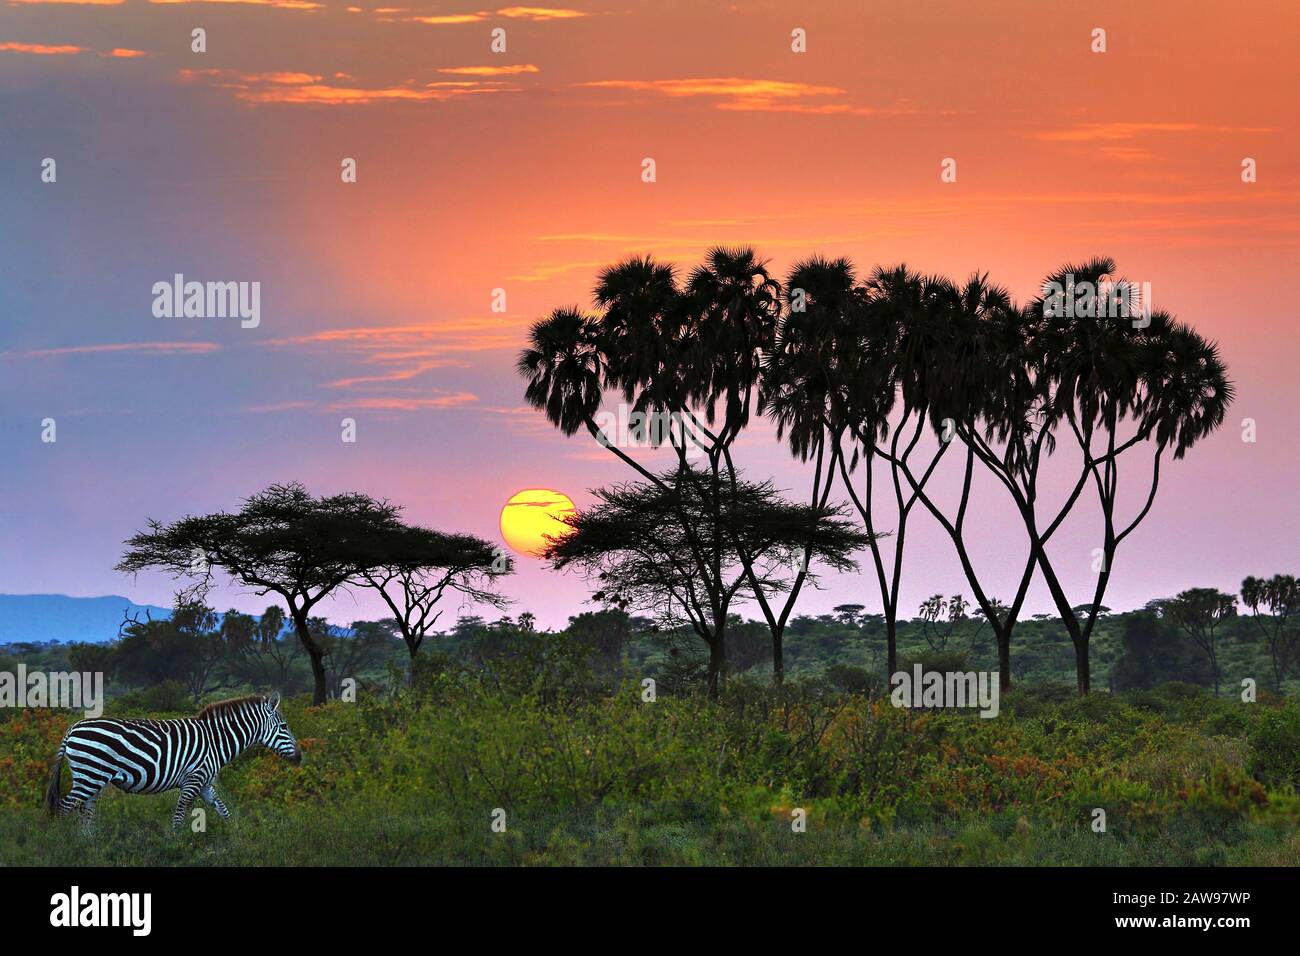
(150, 756)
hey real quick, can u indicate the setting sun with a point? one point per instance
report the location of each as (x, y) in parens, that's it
(531, 515)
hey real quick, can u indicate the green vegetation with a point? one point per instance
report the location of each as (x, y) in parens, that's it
(549, 728)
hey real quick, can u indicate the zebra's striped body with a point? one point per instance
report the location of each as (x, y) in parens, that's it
(150, 756)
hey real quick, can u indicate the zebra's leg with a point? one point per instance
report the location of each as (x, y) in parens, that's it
(85, 789)
(209, 795)
(88, 809)
(189, 790)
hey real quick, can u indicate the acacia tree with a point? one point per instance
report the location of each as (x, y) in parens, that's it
(695, 358)
(414, 567)
(642, 562)
(283, 541)
(1280, 595)
(1197, 613)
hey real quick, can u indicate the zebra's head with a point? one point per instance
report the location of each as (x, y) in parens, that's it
(276, 733)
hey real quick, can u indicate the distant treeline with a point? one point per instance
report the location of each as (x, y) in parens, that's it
(195, 654)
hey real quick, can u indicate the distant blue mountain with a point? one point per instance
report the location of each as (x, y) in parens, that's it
(58, 617)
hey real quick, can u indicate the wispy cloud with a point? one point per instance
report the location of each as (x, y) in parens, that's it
(730, 86)
(395, 357)
(152, 348)
(450, 19)
(337, 90)
(756, 95)
(544, 271)
(279, 4)
(42, 49)
(410, 365)
(491, 70)
(1111, 132)
(1126, 153)
(451, 335)
(413, 403)
(535, 14)
(541, 13)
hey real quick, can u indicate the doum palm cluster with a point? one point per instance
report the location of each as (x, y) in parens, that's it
(875, 380)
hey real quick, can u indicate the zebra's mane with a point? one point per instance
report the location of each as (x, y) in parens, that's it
(226, 706)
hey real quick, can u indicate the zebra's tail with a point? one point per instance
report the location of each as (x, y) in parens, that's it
(52, 790)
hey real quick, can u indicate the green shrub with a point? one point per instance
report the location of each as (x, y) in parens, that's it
(1275, 748)
(169, 697)
(855, 680)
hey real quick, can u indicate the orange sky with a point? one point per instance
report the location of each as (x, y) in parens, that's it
(522, 171)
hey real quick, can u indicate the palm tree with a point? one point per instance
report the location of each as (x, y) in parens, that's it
(734, 305)
(564, 367)
(1280, 594)
(1096, 372)
(964, 366)
(899, 350)
(641, 331)
(800, 393)
(635, 346)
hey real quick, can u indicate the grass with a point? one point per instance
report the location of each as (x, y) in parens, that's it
(356, 835)
(599, 777)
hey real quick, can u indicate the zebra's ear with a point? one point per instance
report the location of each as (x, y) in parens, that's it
(274, 700)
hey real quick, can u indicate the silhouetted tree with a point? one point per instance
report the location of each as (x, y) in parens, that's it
(689, 358)
(940, 618)
(414, 567)
(186, 648)
(283, 541)
(800, 391)
(1197, 613)
(1151, 653)
(1280, 595)
(645, 563)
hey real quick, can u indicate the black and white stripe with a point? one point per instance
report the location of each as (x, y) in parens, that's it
(150, 756)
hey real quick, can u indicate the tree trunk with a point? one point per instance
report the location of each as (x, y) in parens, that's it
(1081, 667)
(778, 657)
(715, 671)
(891, 637)
(717, 659)
(1004, 661)
(315, 655)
